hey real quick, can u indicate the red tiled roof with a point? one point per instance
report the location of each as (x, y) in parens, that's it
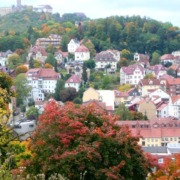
(175, 98)
(43, 73)
(167, 57)
(149, 82)
(82, 48)
(130, 69)
(173, 81)
(74, 79)
(37, 49)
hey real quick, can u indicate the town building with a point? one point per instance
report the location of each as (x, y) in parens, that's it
(42, 81)
(132, 74)
(82, 53)
(73, 45)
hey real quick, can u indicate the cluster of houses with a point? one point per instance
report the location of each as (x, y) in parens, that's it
(158, 98)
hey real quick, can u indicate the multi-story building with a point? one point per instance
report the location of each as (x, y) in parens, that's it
(132, 74)
(53, 40)
(42, 81)
(173, 86)
(105, 60)
(155, 132)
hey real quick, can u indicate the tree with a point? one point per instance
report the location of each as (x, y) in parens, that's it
(32, 113)
(36, 64)
(22, 89)
(123, 112)
(31, 63)
(149, 76)
(90, 64)
(68, 94)
(48, 66)
(171, 72)
(59, 87)
(170, 169)
(14, 61)
(77, 141)
(125, 87)
(21, 69)
(126, 54)
(155, 58)
(51, 60)
(84, 73)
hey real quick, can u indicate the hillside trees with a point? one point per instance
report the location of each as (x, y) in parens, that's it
(73, 140)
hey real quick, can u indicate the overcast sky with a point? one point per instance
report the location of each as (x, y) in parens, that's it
(162, 10)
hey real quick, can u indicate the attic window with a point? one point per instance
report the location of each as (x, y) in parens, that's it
(156, 125)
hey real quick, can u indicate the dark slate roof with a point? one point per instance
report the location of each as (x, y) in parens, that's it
(155, 149)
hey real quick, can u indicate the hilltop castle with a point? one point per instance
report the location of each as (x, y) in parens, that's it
(19, 7)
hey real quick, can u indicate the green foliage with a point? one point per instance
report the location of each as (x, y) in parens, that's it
(68, 94)
(123, 112)
(22, 89)
(155, 58)
(171, 72)
(51, 60)
(59, 87)
(149, 76)
(14, 61)
(125, 87)
(32, 113)
(90, 64)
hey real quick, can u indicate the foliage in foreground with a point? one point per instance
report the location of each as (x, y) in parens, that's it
(81, 141)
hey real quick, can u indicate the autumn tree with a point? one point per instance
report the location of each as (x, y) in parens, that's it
(14, 61)
(76, 140)
(149, 76)
(169, 170)
(125, 87)
(21, 69)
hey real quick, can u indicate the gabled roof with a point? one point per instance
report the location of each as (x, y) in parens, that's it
(167, 57)
(173, 81)
(74, 79)
(82, 48)
(149, 82)
(43, 73)
(36, 49)
(131, 68)
(105, 56)
(175, 98)
(64, 54)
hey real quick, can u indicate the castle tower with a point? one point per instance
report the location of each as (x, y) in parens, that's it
(18, 3)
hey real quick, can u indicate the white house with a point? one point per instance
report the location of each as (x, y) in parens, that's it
(41, 80)
(167, 58)
(4, 57)
(176, 53)
(74, 82)
(105, 61)
(131, 74)
(61, 57)
(174, 106)
(73, 45)
(37, 53)
(82, 53)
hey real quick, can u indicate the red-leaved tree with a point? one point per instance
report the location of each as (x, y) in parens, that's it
(81, 142)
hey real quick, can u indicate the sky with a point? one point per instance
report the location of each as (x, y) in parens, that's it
(161, 10)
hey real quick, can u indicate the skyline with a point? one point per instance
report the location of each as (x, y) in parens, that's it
(164, 12)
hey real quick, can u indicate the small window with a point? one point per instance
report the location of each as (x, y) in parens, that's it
(160, 161)
(31, 125)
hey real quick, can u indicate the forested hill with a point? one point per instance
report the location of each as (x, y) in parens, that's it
(134, 33)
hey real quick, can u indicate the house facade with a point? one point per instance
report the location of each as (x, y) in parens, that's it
(155, 132)
(73, 45)
(131, 74)
(37, 53)
(147, 85)
(74, 82)
(82, 53)
(42, 81)
(105, 61)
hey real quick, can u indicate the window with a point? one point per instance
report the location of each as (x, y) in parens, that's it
(31, 125)
(160, 161)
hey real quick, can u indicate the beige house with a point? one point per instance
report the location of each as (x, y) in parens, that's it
(90, 94)
(148, 85)
(105, 96)
(148, 108)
